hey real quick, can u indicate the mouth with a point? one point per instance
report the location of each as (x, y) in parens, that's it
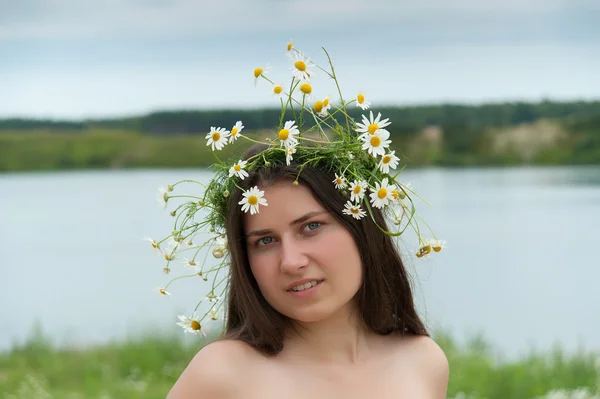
(305, 286)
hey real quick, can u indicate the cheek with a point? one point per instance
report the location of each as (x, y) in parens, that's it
(262, 268)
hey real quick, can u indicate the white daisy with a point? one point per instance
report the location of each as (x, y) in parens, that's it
(362, 102)
(190, 264)
(217, 137)
(163, 197)
(371, 126)
(388, 161)
(286, 135)
(190, 325)
(277, 91)
(216, 314)
(322, 107)
(163, 292)
(354, 210)
(382, 194)
(258, 72)
(357, 190)
(302, 65)
(339, 182)
(235, 131)
(424, 250)
(212, 298)
(155, 245)
(376, 143)
(252, 199)
(238, 170)
(437, 245)
(289, 154)
(220, 247)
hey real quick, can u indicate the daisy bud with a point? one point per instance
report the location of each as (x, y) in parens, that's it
(267, 164)
(170, 187)
(205, 278)
(172, 213)
(225, 193)
(200, 203)
(218, 253)
(295, 183)
(306, 88)
(166, 270)
(318, 106)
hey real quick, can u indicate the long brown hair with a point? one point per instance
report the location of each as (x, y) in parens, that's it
(385, 299)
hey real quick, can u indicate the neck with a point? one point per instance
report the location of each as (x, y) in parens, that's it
(341, 339)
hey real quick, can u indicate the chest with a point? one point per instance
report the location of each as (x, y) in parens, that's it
(392, 381)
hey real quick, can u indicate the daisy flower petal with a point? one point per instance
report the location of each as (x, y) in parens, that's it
(238, 170)
(354, 210)
(217, 137)
(382, 194)
(252, 199)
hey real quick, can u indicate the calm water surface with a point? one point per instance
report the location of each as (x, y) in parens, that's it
(521, 266)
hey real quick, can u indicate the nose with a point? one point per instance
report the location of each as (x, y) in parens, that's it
(292, 255)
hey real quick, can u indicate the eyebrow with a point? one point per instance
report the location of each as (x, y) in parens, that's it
(297, 221)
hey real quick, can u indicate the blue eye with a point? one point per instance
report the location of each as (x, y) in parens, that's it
(264, 241)
(313, 226)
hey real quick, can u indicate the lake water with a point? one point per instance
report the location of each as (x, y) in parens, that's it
(521, 266)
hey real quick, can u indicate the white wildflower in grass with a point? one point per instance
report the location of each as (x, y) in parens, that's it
(154, 244)
(252, 199)
(302, 68)
(371, 126)
(357, 190)
(376, 143)
(286, 135)
(217, 137)
(290, 151)
(238, 170)
(277, 91)
(258, 72)
(354, 210)
(190, 325)
(322, 107)
(163, 292)
(163, 197)
(388, 161)
(235, 131)
(362, 102)
(306, 88)
(339, 182)
(381, 195)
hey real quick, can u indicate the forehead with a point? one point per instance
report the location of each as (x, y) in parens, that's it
(286, 203)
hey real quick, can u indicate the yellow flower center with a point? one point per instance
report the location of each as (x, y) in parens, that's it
(354, 210)
(426, 249)
(306, 88)
(382, 193)
(356, 190)
(386, 159)
(395, 194)
(154, 245)
(318, 106)
(283, 134)
(195, 325)
(234, 131)
(277, 89)
(162, 291)
(420, 254)
(237, 168)
(325, 102)
(216, 136)
(300, 65)
(375, 141)
(338, 181)
(289, 46)
(253, 200)
(373, 127)
(437, 248)
(258, 72)
(360, 98)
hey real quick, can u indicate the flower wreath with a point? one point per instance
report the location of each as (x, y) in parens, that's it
(358, 153)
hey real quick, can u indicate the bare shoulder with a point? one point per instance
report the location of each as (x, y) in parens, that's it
(214, 372)
(430, 360)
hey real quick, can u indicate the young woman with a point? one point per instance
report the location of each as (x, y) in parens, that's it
(319, 303)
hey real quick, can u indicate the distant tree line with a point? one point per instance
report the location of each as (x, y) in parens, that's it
(452, 118)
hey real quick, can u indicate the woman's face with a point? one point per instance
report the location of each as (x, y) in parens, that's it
(294, 242)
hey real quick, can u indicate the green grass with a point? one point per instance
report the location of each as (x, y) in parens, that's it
(147, 367)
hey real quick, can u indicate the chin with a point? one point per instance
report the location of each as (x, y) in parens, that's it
(312, 313)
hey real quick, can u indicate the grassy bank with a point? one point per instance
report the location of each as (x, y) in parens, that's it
(536, 143)
(148, 367)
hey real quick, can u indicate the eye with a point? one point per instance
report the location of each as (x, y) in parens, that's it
(312, 226)
(264, 241)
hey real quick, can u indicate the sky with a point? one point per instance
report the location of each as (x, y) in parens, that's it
(75, 59)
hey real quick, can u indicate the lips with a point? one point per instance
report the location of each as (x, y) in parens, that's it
(302, 285)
